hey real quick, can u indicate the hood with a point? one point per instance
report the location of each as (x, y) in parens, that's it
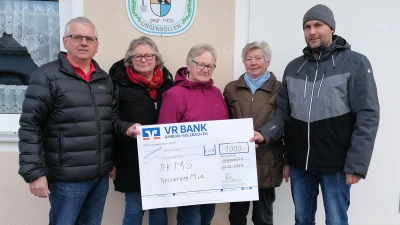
(118, 74)
(326, 52)
(180, 79)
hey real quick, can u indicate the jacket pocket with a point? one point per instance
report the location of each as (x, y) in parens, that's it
(61, 150)
(276, 148)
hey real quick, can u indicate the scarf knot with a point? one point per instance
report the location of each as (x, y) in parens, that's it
(152, 85)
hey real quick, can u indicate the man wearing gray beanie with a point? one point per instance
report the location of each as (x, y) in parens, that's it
(322, 13)
(328, 109)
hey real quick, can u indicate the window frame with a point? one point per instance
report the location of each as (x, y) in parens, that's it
(68, 9)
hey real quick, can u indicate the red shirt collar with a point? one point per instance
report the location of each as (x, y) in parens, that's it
(80, 72)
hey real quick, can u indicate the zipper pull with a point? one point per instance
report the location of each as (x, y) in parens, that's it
(155, 105)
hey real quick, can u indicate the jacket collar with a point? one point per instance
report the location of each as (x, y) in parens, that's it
(326, 52)
(67, 68)
(268, 86)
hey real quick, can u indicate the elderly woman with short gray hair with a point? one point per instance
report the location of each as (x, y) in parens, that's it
(140, 79)
(194, 98)
(253, 96)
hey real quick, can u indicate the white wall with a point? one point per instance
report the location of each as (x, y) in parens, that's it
(372, 28)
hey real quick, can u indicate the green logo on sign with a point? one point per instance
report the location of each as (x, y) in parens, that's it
(161, 17)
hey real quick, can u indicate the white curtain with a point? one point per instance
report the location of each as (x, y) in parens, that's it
(11, 98)
(35, 25)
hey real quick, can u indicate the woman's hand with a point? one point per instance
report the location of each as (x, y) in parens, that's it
(132, 131)
(286, 173)
(113, 173)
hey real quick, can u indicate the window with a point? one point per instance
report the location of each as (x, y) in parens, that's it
(13, 81)
(29, 37)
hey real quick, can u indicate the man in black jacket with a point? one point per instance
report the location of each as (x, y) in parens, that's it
(328, 110)
(66, 134)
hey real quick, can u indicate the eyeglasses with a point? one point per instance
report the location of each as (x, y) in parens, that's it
(201, 66)
(148, 57)
(79, 38)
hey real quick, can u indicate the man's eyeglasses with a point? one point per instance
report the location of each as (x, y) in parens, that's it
(79, 38)
(148, 57)
(201, 66)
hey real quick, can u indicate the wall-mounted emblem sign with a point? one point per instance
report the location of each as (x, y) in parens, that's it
(161, 17)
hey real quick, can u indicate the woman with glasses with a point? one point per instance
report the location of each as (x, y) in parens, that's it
(139, 79)
(194, 98)
(253, 96)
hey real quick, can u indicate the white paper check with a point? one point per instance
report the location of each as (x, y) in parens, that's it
(197, 163)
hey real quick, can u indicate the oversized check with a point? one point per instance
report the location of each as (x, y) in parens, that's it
(197, 163)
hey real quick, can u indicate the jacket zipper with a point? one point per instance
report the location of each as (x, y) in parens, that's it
(98, 127)
(146, 93)
(320, 84)
(251, 104)
(309, 115)
(305, 86)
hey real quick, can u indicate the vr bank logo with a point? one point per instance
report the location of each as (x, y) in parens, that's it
(151, 133)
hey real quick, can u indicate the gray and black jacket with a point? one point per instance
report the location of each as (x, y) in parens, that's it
(328, 110)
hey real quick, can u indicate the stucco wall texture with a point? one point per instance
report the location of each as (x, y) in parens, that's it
(213, 24)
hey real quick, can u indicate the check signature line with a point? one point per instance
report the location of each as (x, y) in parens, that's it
(172, 157)
(154, 151)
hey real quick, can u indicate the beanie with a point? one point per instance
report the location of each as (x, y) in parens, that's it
(322, 13)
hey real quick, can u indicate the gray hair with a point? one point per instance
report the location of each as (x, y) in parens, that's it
(81, 21)
(199, 49)
(262, 45)
(143, 40)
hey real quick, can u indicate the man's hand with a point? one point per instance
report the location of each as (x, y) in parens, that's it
(258, 138)
(113, 173)
(132, 132)
(352, 179)
(39, 187)
(286, 173)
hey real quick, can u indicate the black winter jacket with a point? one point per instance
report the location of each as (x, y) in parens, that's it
(67, 124)
(135, 106)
